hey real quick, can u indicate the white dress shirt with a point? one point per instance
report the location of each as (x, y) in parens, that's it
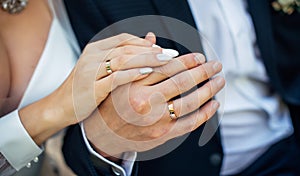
(57, 60)
(254, 118)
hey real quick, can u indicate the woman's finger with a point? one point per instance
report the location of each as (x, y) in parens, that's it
(125, 62)
(121, 40)
(186, 80)
(105, 85)
(151, 37)
(135, 50)
(128, 50)
(175, 66)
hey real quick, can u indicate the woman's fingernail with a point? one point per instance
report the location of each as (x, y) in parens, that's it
(164, 57)
(155, 46)
(199, 58)
(217, 66)
(170, 52)
(145, 71)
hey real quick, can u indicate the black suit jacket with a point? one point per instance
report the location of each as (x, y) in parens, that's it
(278, 39)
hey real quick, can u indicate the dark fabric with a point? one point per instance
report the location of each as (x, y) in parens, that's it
(88, 17)
(278, 37)
(282, 159)
(109, 12)
(295, 114)
(187, 159)
(76, 153)
(5, 168)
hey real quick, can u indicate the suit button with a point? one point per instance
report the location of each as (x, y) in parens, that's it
(215, 159)
(116, 171)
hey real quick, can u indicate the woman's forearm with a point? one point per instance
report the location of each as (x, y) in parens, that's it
(42, 119)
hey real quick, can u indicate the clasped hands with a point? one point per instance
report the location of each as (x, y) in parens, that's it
(124, 107)
(135, 116)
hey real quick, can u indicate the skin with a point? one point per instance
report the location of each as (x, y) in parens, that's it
(128, 54)
(47, 116)
(139, 119)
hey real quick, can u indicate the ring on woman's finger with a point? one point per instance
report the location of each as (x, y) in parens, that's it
(108, 67)
(171, 110)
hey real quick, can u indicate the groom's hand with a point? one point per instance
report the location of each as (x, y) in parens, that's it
(136, 117)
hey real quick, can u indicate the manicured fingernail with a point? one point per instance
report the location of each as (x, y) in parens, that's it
(216, 105)
(164, 57)
(145, 71)
(155, 46)
(217, 66)
(199, 58)
(170, 52)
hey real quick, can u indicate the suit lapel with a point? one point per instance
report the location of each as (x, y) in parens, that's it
(261, 16)
(184, 33)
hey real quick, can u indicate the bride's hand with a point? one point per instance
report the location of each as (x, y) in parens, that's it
(103, 66)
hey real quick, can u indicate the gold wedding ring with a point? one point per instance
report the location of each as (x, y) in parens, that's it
(108, 67)
(171, 110)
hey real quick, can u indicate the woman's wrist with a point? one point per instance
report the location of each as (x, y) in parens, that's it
(42, 119)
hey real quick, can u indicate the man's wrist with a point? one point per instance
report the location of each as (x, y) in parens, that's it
(116, 159)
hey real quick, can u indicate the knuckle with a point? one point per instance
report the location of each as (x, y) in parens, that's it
(89, 47)
(182, 82)
(127, 50)
(164, 70)
(124, 36)
(121, 60)
(188, 61)
(189, 127)
(203, 73)
(204, 116)
(139, 105)
(207, 89)
(154, 134)
(190, 105)
(158, 133)
(200, 119)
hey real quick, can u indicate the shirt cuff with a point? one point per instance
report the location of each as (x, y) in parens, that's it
(16, 145)
(128, 157)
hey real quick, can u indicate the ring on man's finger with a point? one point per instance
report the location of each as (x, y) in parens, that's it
(171, 110)
(108, 67)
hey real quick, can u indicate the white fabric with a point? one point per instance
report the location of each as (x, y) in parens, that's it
(16, 145)
(128, 157)
(254, 118)
(56, 62)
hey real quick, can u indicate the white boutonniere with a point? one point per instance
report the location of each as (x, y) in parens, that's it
(286, 6)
